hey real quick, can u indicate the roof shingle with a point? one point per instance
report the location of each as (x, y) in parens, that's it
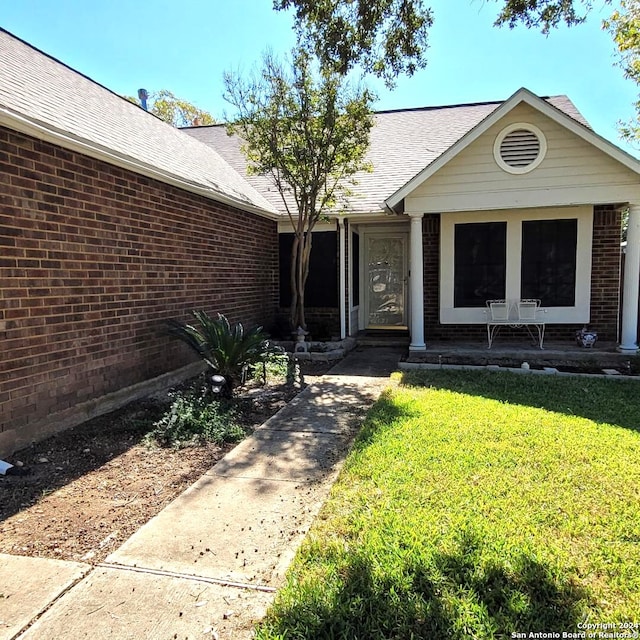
(46, 92)
(403, 143)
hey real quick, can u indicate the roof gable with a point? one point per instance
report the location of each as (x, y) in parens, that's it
(43, 97)
(403, 142)
(564, 117)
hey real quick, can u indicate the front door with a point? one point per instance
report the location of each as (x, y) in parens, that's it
(386, 260)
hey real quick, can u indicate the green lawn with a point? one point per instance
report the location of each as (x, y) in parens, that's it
(477, 505)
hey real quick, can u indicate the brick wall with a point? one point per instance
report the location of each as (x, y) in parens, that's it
(604, 287)
(323, 323)
(605, 280)
(93, 260)
(431, 275)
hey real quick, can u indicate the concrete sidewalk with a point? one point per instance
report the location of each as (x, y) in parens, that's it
(207, 565)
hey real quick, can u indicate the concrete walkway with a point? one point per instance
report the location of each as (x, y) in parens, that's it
(207, 565)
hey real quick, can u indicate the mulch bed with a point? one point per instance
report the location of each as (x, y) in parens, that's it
(89, 488)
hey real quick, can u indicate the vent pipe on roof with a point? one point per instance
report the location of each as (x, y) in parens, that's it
(143, 95)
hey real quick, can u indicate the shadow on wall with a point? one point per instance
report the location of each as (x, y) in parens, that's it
(131, 423)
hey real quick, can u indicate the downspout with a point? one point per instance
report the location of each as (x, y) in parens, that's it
(343, 283)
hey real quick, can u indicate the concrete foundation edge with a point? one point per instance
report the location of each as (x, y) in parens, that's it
(13, 439)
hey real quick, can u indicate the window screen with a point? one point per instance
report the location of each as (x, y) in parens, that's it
(479, 263)
(549, 261)
(322, 283)
(355, 269)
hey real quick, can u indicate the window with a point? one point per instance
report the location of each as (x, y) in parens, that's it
(520, 148)
(519, 253)
(548, 265)
(480, 263)
(322, 283)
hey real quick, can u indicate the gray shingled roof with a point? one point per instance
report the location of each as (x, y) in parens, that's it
(46, 92)
(403, 143)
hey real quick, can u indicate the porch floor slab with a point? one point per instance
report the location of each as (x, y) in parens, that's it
(512, 354)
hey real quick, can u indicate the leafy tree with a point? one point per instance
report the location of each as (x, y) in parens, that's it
(173, 110)
(624, 26)
(385, 37)
(390, 37)
(307, 129)
(543, 14)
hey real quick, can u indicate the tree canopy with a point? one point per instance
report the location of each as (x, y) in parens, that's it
(384, 37)
(307, 129)
(174, 110)
(543, 14)
(389, 38)
(624, 26)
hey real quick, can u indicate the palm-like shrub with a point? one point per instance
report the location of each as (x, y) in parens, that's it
(229, 350)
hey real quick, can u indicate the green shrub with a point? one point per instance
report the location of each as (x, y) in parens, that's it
(276, 367)
(194, 418)
(229, 350)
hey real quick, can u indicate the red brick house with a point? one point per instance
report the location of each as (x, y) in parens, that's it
(112, 221)
(509, 200)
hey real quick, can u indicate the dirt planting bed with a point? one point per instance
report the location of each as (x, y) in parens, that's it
(86, 490)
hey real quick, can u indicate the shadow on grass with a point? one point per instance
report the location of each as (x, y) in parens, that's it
(455, 595)
(384, 413)
(601, 400)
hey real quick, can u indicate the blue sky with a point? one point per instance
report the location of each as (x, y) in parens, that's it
(185, 47)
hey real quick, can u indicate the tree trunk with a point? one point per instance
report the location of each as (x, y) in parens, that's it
(300, 252)
(293, 311)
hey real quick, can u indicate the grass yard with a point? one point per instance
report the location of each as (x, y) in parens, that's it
(477, 505)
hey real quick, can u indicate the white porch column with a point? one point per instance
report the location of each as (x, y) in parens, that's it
(416, 284)
(629, 336)
(343, 280)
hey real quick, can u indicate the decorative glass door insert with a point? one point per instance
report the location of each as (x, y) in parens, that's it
(386, 257)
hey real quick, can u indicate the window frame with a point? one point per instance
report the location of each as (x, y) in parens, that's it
(579, 313)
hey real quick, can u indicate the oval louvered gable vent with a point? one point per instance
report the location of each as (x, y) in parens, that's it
(520, 148)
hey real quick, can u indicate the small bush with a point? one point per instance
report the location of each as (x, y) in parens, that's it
(276, 367)
(194, 418)
(228, 350)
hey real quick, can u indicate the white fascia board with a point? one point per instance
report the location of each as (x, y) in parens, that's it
(526, 199)
(521, 96)
(284, 224)
(375, 216)
(47, 133)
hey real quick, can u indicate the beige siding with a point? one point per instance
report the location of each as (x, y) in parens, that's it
(572, 172)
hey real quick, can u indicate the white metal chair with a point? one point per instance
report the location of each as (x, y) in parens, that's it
(520, 313)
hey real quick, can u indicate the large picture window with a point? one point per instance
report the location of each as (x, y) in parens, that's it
(548, 266)
(480, 263)
(516, 254)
